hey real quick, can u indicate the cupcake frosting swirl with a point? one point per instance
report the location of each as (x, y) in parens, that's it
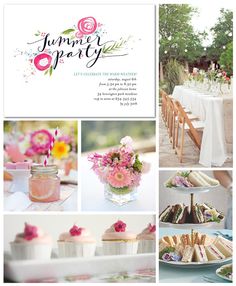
(77, 234)
(118, 232)
(32, 234)
(149, 233)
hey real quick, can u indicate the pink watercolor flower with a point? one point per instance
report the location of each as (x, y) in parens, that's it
(119, 178)
(40, 141)
(87, 25)
(79, 35)
(42, 61)
(152, 228)
(30, 232)
(76, 231)
(120, 226)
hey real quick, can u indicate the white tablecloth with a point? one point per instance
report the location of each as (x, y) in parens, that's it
(210, 110)
(93, 190)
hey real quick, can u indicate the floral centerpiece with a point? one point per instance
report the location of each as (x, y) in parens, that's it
(120, 170)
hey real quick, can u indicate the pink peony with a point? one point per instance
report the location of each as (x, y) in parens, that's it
(127, 143)
(76, 231)
(119, 178)
(87, 25)
(30, 232)
(40, 141)
(119, 226)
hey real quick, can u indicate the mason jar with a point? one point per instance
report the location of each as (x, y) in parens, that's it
(44, 184)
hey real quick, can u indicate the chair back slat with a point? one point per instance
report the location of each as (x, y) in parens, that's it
(183, 118)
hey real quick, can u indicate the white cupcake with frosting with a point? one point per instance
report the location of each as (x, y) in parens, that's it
(33, 243)
(116, 240)
(78, 242)
(147, 239)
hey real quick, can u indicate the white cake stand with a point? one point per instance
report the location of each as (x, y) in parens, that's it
(20, 180)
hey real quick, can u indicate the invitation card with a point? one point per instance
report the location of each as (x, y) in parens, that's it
(79, 61)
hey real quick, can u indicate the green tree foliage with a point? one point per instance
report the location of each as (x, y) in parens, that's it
(173, 75)
(226, 59)
(103, 134)
(177, 37)
(222, 33)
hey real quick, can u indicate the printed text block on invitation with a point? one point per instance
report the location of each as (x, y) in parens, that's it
(79, 61)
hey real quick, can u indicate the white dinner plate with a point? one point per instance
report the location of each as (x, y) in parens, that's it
(221, 276)
(195, 264)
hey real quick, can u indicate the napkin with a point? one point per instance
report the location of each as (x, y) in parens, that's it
(18, 201)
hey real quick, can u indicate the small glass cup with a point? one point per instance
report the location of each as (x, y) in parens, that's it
(44, 184)
(120, 196)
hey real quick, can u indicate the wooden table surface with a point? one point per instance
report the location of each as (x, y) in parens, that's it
(67, 202)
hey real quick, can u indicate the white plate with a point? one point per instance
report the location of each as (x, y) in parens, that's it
(193, 190)
(221, 276)
(188, 225)
(24, 270)
(196, 264)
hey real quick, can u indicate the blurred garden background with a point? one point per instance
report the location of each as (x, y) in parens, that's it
(194, 37)
(105, 134)
(30, 140)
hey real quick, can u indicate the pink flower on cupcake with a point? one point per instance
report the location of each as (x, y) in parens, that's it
(76, 231)
(152, 228)
(120, 226)
(30, 232)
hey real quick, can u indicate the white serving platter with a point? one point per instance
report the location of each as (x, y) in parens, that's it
(26, 270)
(196, 264)
(222, 276)
(193, 190)
(188, 225)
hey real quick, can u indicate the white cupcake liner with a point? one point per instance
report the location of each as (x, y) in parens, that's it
(120, 247)
(76, 249)
(146, 246)
(27, 251)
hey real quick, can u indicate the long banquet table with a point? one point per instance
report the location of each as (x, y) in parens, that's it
(211, 110)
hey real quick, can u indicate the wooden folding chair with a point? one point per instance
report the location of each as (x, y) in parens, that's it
(164, 105)
(184, 123)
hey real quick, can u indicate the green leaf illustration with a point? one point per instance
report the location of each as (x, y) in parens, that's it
(46, 71)
(116, 46)
(68, 31)
(50, 71)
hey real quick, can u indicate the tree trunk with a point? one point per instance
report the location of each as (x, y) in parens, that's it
(161, 74)
(186, 66)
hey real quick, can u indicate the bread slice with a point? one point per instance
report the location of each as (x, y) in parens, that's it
(200, 253)
(197, 215)
(166, 215)
(213, 253)
(169, 240)
(180, 214)
(188, 254)
(224, 245)
(209, 180)
(197, 180)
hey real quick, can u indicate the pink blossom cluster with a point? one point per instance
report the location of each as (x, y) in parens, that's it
(120, 167)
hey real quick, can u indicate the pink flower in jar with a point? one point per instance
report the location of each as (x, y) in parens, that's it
(87, 25)
(42, 61)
